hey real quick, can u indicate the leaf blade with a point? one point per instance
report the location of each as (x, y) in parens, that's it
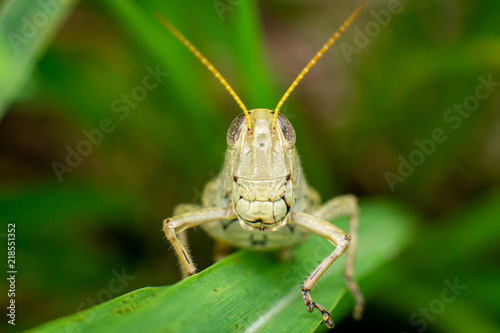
(253, 292)
(26, 32)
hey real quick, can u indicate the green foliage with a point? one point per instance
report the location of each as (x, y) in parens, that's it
(465, 255)
(21, 42)
(355, 119)
(250, 290)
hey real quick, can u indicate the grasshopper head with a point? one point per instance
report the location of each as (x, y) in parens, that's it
(260, 169)
(261, 166)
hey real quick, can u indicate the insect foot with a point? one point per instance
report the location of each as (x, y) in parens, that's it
(327, 320)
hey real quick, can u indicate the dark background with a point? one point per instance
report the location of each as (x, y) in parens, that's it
(357, 117)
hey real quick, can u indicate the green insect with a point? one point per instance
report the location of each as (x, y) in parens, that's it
(260, 200)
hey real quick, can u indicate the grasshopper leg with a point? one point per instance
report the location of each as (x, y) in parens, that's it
(177, 224)
(183, 236)
(346, 205)
(341, 241)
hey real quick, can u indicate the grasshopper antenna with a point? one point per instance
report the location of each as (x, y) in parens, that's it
(316, 57)
(205, 62)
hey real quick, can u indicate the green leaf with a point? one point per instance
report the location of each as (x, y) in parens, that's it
(103, 313)
(26, 28)
(251, 291)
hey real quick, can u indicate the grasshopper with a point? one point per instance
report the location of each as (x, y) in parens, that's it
(260, 200)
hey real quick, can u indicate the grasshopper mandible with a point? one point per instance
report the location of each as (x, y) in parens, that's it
(260, 200)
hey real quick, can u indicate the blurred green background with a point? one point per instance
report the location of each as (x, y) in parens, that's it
(358, 113)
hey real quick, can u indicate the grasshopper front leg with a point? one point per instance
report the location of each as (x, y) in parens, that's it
(336, 207)
(345, 205)
(179, 223)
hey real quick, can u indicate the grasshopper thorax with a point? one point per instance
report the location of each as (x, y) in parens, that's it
(261, 175)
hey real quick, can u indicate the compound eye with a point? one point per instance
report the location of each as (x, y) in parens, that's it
(287, 129)
(233, 134)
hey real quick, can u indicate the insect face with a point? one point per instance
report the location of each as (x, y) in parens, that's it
(263, 160)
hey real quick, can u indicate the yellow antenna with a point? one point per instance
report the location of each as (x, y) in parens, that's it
(205, 62)
(316, 57)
